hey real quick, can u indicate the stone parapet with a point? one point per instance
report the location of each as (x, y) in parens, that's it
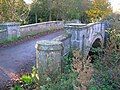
(40, 27)
(84, 34)
(3, 34)
(48, 56)
(12, 28)
(66, 42)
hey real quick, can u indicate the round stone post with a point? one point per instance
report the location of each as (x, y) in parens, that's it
(48, 57)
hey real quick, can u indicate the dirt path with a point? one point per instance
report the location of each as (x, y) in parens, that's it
(19, 58)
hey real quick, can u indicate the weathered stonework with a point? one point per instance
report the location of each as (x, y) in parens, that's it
(15, 30)
(12, 28)
(40, 27)
(49, 53)
(66, 42)
(48, 56)
(3, 34)
(83, 36)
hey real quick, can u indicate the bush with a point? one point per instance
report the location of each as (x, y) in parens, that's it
(107, 66)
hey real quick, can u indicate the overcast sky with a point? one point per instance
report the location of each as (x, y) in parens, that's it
(115, 4)
(28, 1)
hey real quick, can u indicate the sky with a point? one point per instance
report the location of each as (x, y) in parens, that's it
(28, 1)
(115, 4)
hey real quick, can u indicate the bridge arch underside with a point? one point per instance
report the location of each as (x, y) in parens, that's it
(97, 43)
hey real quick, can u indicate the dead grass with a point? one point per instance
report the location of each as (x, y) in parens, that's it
(84, 68)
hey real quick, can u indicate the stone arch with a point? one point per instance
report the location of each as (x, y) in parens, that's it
(97, 42)
(94, 40)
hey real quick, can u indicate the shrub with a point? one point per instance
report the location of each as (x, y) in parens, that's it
(107, 66)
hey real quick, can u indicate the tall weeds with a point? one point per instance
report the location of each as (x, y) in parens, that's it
(107, 65)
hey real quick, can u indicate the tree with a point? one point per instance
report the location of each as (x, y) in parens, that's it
(46, 10)
(70, 9)
(13, 10)
(99, 10)
(38, 11)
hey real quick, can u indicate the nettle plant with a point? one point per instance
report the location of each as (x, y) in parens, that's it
(27, 81)
(107, 65)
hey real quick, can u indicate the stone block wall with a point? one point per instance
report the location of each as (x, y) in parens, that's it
(48, 57)
(40, 27)
(66, 42)
(12, 29)
(15, 30)
(49, 54)
(83, 35)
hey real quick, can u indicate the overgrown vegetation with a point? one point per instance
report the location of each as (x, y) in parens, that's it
(106, 74)
(107, 65)
(51, 81)
(47, 10)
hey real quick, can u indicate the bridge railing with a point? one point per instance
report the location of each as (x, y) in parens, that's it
(95, 29)
(83, 35)
(15, 30)
(40, 27)
(66, 42)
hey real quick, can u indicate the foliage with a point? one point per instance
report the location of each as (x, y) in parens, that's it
(107, 65)
(38, 11)
(26, 79)
(47, 10)
(63, 81)
(44, 10)
(114, 20)
(17, 87)
(99, 10)
(13, 10)
(26, 82)
(9, 41)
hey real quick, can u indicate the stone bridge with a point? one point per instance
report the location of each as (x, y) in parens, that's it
(76, 35)
(84, 37)
(52, 46)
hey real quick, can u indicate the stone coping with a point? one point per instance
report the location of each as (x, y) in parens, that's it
(76, 24)
(46, 45)
(80, 27)
(91, 24)
(2, 30)
(62, 37)
(47, 42)
(10, 24)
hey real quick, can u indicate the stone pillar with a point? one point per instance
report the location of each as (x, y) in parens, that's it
(13, 29)
(48, 56)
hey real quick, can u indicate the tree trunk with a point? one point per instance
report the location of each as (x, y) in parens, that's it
(35, 17)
